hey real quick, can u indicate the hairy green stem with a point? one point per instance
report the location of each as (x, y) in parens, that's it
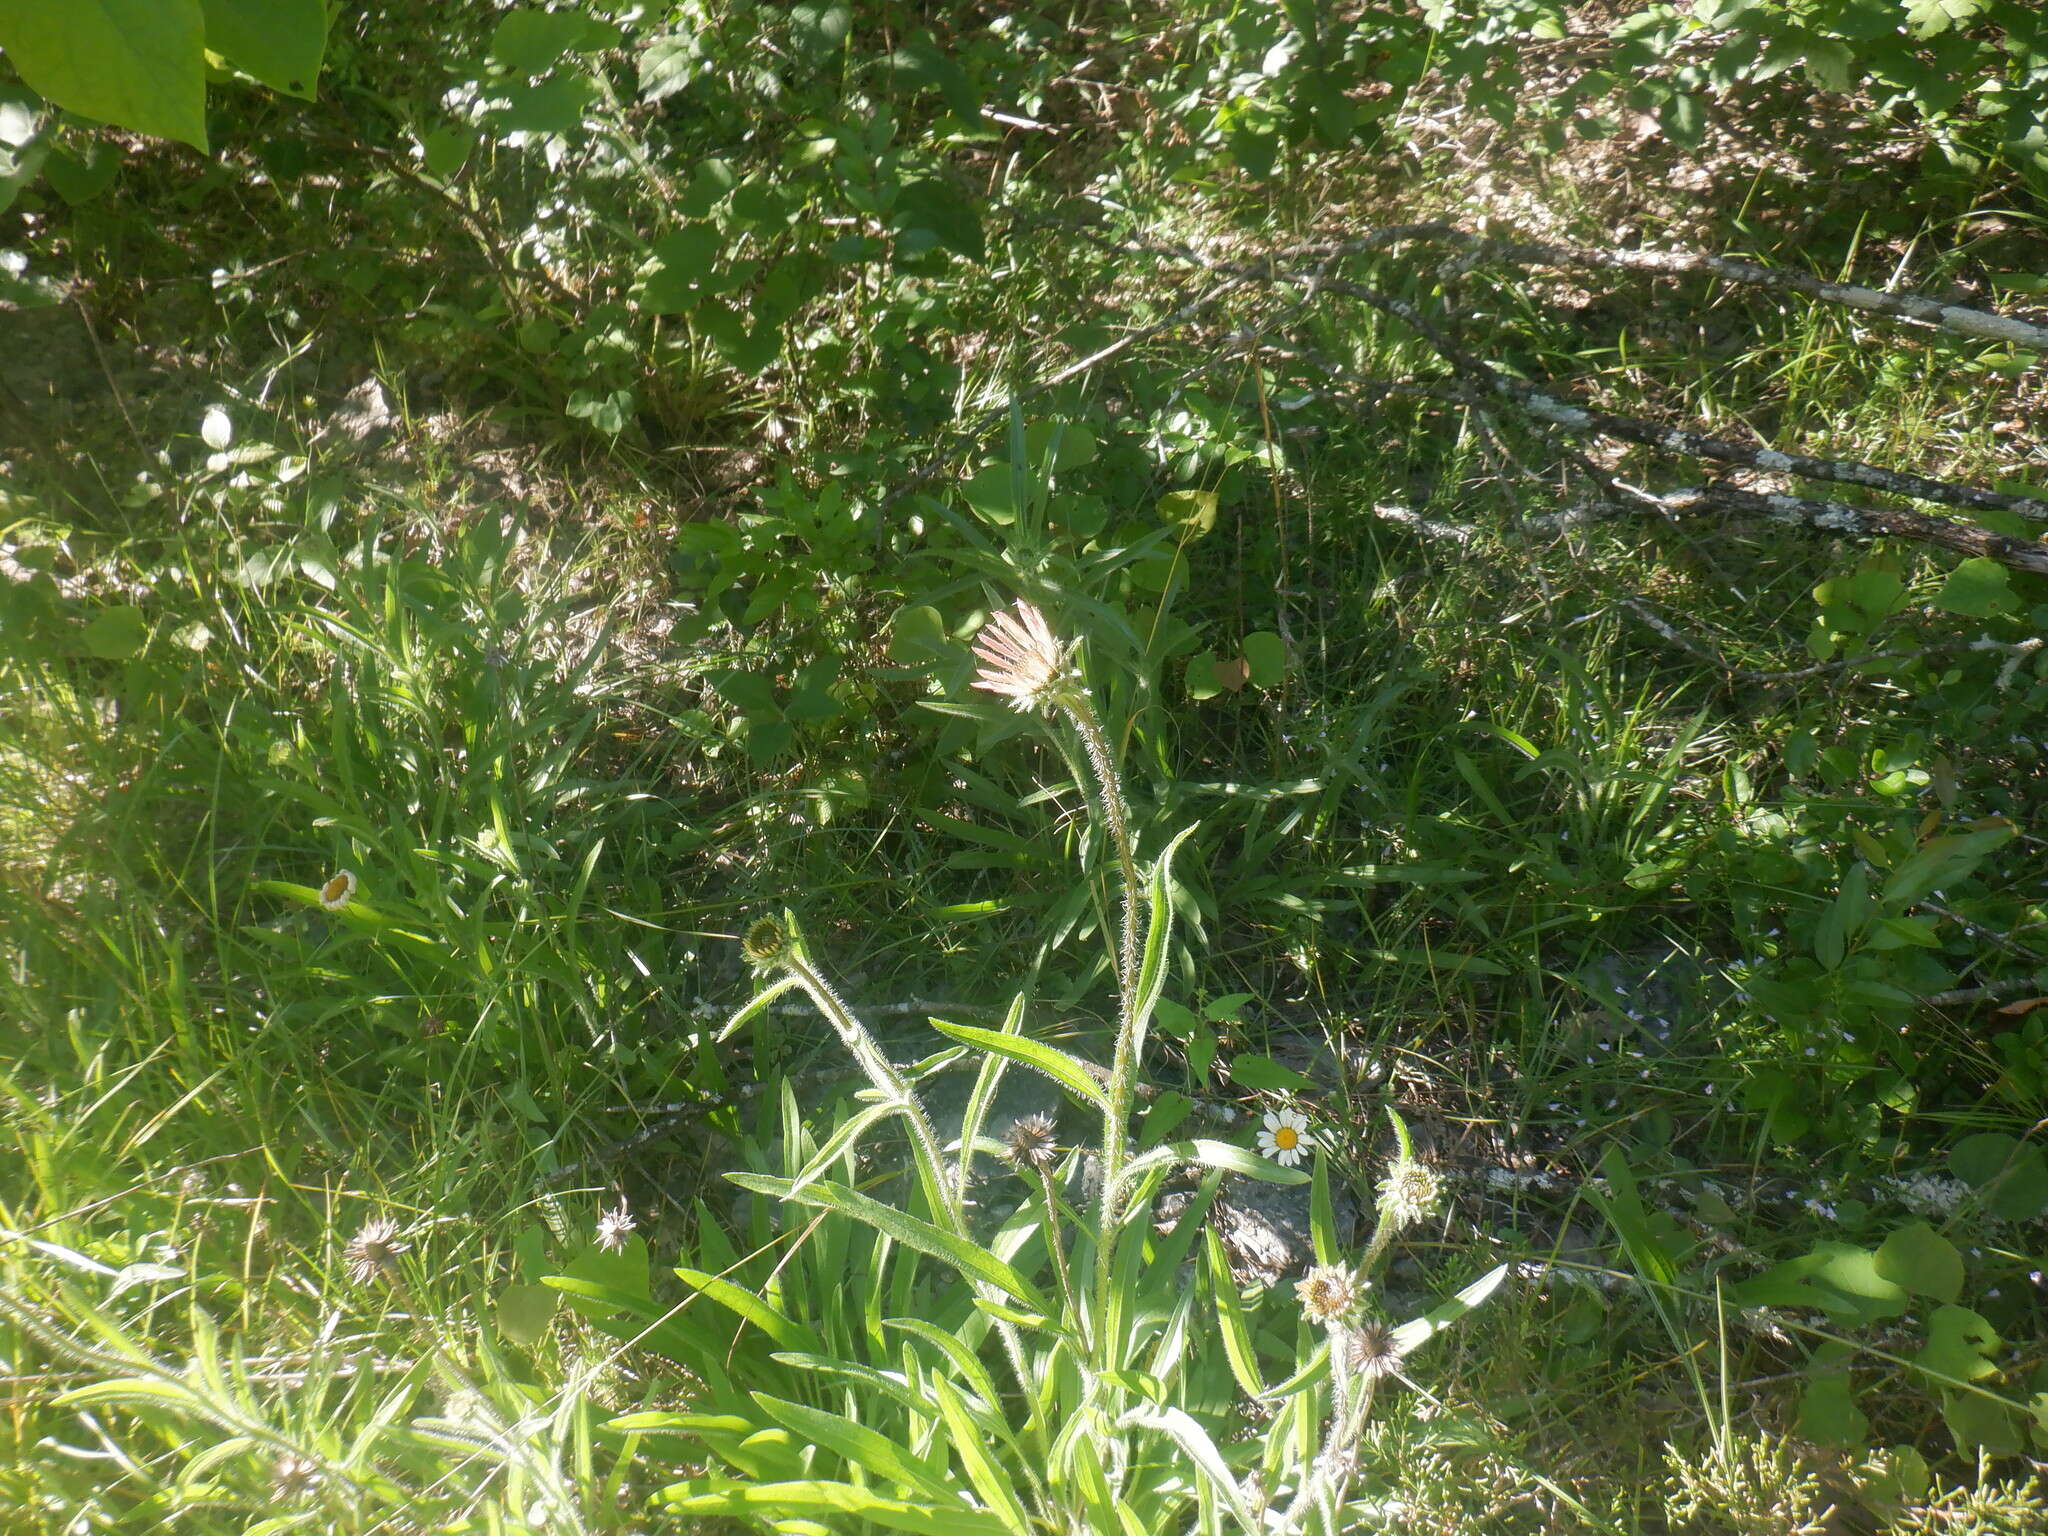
(1123, 1075)
(1057, 1247)
(882, 1073)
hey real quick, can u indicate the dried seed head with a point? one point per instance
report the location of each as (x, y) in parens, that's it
(293, 1477)
(766, 944)
(372, 1254)
(612, 1228)
(1031, 1142)
(1371, 1350)
(1328, 1292)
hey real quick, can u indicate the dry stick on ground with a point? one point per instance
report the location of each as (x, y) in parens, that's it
(1822, 516)
(1955, 318)
(1865, 522)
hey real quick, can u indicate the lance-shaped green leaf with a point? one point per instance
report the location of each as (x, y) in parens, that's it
(982, 1095)
(975, 1262)
(784, 1331)
(1322, 1213)
(990, 1481)
(754, 1006)
(1202, 1453)
(1426, 1327)
(963, 1359)
(1070, 1072)
(841, 1139)
(1152, 967)
(857, 1444)
(743, 1443)
(1213, 1154)
(785, 1501)
(893, 1385)
(1237, 1338)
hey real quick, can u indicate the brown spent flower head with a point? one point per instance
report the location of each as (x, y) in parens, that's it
(1021, 659)
(1328, 1292)
(372, 1254)
(293, 1477)
(612, 1228)
(1371, 1350)
(1031, 1142)
(766, 944)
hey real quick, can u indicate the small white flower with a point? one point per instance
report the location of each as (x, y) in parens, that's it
(612, 1228)
(340, 891)
(1286, 1139)
(1409, 1193)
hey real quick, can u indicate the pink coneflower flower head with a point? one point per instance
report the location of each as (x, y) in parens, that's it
(1021, 659)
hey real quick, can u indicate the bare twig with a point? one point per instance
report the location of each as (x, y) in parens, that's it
(1864, 522)
(1990, 992)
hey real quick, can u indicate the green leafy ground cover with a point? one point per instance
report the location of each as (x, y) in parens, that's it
(556, 476)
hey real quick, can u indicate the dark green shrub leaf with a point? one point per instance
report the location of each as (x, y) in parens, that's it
(117, 633)
(667, 65)
(686, 259)
(1250, 1071)
(556, 105)
(931, 213)
(135, 63)
(276, 41)
(84, 176)
(1927, 18)
(1266, 654)
(529, 42)
(1828, 1414)
(1922, 1260)
(1194, 511)
(1982, 1421)
(1977, 589)
(525, 1312)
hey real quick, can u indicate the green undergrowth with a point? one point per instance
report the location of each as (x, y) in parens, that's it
(635, 604)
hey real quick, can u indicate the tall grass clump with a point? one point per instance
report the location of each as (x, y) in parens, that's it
(900, 1350)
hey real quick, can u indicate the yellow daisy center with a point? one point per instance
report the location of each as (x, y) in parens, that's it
(1286, 1138)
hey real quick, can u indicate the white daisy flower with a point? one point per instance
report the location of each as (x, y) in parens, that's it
(1285, 1138)
(338, 892)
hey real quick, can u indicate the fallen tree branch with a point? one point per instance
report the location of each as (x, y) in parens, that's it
(1836, 471)
(1822, 516)
(1956, 318)
(1863, 522)
(1990, 992)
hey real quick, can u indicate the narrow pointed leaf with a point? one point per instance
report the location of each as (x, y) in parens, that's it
(989, 1480)
(1420, 1330)
(880, 1456)
(1237, 1338)
(1070, 1072)
(975, 1262)
(782, 1501)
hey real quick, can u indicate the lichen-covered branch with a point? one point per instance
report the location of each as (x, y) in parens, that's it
(1863, 522)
